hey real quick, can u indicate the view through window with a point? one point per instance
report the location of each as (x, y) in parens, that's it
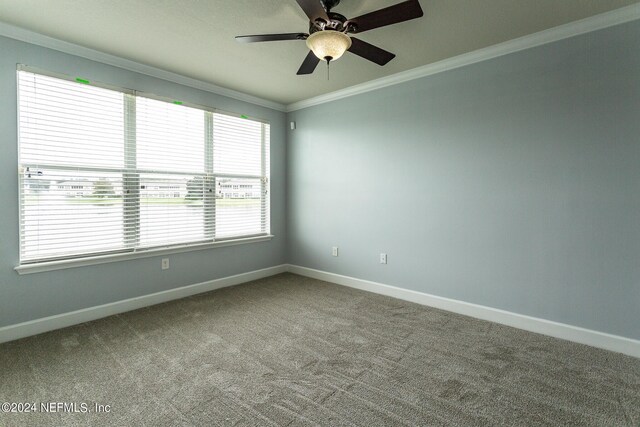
(104, 171)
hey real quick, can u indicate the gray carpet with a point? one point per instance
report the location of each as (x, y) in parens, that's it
(288, 350)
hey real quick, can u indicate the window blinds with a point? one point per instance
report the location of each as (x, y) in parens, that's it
(105, 171)
(238, 161)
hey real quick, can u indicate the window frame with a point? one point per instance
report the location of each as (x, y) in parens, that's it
(133, 251)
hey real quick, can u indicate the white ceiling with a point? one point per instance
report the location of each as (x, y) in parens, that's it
(195, 38)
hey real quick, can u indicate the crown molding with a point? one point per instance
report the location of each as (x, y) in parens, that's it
(593, 23)
(32, 37)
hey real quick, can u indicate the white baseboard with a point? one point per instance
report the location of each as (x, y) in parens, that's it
(38, 326)
(577, 334)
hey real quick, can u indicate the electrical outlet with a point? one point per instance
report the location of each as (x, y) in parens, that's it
(383, 258)
(165, 263)
(334, 251)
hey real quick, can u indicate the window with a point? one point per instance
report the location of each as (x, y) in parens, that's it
(107, 171)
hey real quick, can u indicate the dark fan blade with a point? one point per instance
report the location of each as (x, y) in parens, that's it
(272, 37)
(370, 52)
(309, 64)
(313, 9)
(389, 15)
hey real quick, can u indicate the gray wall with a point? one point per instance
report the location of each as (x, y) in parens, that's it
(512, 183)
(32, 296)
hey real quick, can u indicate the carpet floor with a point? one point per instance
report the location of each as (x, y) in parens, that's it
(289, 350)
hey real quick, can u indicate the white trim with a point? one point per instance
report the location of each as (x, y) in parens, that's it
(577, 334)
(593, 23)
(148, 253)
(32, 37)
(38, 326)
(593, 338)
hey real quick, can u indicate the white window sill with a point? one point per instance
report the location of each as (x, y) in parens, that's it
(104, 259)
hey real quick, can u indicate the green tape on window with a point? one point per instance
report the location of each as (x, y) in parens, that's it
(242, 116)
(177, 102)
(83, 81)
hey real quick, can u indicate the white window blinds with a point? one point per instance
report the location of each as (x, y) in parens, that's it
(239, 157)
(105, 171)
(171, 158)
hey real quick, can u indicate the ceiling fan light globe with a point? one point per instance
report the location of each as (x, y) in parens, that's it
(329, 43)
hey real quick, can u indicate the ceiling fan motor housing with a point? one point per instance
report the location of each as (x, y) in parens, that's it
(336, 22)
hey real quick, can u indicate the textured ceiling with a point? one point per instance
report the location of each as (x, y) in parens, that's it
(195, 38)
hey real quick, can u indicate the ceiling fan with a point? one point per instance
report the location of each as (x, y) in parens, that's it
(328, 35)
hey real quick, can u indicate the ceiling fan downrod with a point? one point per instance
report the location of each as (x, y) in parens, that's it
(329, 4)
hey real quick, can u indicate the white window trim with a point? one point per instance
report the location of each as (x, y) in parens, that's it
(64, 264)
(81, 261)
